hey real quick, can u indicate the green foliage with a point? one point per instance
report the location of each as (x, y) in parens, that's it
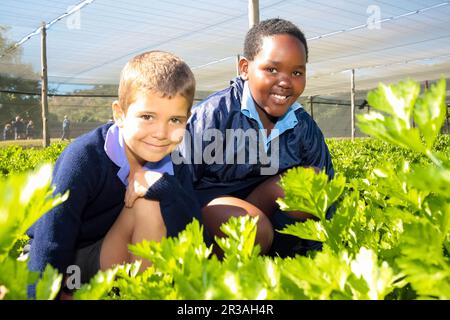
(355, 159)
(15, 159)
(328, 276)
(338, 276)
(14, 278)
(24, 200)
(397, 211)
(396, 128)
(429, 113)
(181, 259)
(98, 286)
(423, 261)
(240, 241)
(317, 194)
(389, 237)
(18, 246)
(48, 286)
(310, 230)
(437, 179)
(399, 102)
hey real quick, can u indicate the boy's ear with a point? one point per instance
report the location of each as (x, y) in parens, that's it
(243, 68)
(118, 113)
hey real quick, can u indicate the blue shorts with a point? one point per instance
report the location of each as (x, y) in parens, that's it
(285, 245)
(88, 260)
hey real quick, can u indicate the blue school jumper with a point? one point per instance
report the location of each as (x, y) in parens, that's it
(295, 141)
(96, 199)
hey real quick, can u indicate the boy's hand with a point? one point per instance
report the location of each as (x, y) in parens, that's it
(139, 184)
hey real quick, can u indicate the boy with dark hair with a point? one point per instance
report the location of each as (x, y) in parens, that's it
(261, 111)
(103, 168)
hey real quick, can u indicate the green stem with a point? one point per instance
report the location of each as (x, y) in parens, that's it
(433, 158)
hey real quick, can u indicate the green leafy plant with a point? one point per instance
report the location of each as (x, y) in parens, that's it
(397, 211)
(389, 237)
(24, 200)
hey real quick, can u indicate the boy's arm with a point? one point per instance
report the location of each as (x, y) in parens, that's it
(54, 235)
(139, 184)
(153, 186)
(178, 202)
(176, 196)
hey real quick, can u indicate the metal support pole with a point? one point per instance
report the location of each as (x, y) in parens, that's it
(352, 105)
(253, 12)
(44, 84)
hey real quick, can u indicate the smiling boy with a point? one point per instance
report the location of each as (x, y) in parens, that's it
(264, 100)
(92, 229)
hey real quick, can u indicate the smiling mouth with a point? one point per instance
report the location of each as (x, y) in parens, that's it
(156, 146)
(280, 97)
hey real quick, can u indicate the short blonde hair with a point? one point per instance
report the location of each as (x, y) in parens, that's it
(157, 72)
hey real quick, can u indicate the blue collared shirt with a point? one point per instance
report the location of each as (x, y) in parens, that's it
(286, 122)
(115, 149)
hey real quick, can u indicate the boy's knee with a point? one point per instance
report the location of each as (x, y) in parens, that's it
(143, 208)
(142, 203)
(148, 216)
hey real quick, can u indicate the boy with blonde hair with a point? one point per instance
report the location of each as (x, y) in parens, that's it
(103, 168)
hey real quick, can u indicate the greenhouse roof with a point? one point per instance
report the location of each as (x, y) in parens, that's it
(382, 40)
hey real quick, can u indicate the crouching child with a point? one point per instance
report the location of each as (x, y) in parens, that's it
(106, 170)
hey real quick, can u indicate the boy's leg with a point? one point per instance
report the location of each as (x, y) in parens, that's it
(221, 209)
(142, 221)
(264, 197)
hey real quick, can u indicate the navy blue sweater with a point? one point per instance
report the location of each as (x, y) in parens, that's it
(95, 201)
(303, 145)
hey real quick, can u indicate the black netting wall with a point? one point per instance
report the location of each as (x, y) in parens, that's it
(21, 115)
(334, 119)
(334, 116)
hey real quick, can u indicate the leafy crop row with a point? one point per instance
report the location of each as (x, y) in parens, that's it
(15, 159)
(388, 239)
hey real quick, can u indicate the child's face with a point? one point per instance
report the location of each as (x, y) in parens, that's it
(277, 74)
(152, 126)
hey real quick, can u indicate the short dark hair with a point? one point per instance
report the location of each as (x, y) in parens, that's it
(254, 38)
(159, 72)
